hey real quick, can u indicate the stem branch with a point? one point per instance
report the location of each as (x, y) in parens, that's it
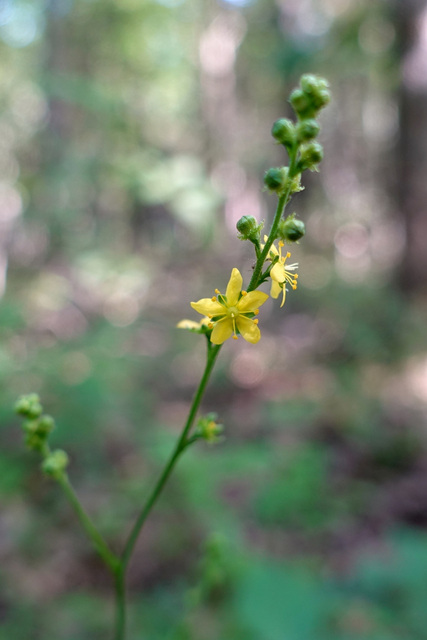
(109, 558)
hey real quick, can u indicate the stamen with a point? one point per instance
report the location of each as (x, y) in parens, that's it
(244, 293)
(235, 337)
(256, 312)
(233, 319)
(288, 255)
(281, 243)
(210, 325)
(213, 298)
(255, 321)
(217, 291)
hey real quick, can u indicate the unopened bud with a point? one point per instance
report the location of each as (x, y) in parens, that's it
(312, 84)
(291, 229)
(307, 130)
(302, 104)
(249, 229)
(29, 406)
(278, 180)
(275, 179)
(283, 131)
(34, 441)
(46, 424)
(312, 96)
(311, 155)
(55, 463)
(318, 90)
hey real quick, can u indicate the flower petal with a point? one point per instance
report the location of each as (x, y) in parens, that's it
(277, 273)
(208, 307)
(284, 295)
(248, 329)
(222, 330)
(275, 289)
(234, 287)
(251, 301)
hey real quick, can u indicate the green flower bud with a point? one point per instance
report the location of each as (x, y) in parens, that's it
(321, 99)
(302, 104)
(275, 179)
(307, 130)
(209, 429)
(312, 96)
(283, 131)
(30, 426)
(29, 406)
(55, 463)
(34, 441)
(291, 230)
(46, 424)
(249, 229)
(312, 84)
(311, 155)
(318, 90)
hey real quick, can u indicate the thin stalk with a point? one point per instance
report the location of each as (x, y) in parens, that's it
(213, 351)
(109, 558)
(271, 237)
(283, 201)
(120, 589)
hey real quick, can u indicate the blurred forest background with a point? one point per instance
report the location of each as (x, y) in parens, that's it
(133, 135)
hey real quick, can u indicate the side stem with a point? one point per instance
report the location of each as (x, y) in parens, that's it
(109, 558)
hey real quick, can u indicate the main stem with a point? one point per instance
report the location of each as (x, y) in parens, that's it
(120, 573)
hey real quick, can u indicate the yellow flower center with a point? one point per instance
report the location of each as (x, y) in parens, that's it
(232, 312)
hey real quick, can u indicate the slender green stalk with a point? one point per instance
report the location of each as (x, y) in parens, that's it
(109, 558)
(120, 590)
(271, 237)
(213, 351)
(283, 201)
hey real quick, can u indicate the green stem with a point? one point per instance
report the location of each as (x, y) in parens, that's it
(271, 237)
(283, 201)
(120, 589)
(109, 558)
(213, 351)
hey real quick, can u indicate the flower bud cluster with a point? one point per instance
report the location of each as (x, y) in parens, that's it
(298, 138)
(37, 427)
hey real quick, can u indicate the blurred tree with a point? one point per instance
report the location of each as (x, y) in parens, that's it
(411, 185)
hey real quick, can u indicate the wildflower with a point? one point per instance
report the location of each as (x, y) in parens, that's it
(232, 312)
(281, 273)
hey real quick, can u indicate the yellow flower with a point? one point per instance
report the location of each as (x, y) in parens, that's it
(281, 273)
(231, 313)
